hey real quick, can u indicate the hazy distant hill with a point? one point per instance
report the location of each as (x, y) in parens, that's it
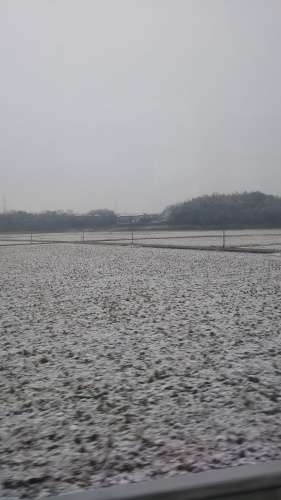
(229, 210)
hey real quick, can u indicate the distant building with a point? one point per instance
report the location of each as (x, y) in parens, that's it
(140, 219)
(126, 220)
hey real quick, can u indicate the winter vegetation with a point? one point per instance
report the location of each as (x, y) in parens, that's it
(60, 220)
(236, 210)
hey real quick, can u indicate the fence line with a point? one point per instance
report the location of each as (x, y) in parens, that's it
(223, 239)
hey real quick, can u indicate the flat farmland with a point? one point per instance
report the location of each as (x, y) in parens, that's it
(256, 238)
(120, 364)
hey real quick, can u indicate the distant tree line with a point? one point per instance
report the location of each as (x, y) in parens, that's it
(236, 210)
(50, 221)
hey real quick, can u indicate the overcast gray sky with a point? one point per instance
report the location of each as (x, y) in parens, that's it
(147, 102)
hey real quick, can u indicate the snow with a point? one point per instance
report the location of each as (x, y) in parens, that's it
(120, 364)
(260, 238)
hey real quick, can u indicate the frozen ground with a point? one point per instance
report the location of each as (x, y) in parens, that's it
(261, 238)
(123, 364)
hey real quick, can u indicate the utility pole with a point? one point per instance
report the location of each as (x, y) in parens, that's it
(4, 206)
(223, 226)
(223, 238)
(132, 231)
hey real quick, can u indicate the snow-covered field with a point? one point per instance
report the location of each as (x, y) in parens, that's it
(256, 238)
(262, 238)
(122, 364)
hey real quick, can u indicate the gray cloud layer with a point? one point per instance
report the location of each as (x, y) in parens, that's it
(147, 102)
